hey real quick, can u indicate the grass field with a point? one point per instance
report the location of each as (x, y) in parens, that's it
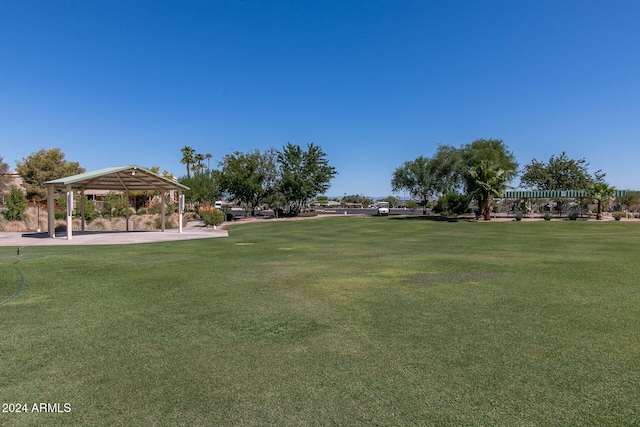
(339, 321)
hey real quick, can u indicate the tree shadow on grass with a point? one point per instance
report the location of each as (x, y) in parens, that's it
(436, 218)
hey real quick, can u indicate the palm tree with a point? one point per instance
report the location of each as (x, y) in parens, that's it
(600, 191)
(486, 166)
(188, 158)
(199, 158)
(208, 157)
(490, 180)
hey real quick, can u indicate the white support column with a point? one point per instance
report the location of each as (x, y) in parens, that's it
(180, 210)
(69, 213)
(51, 215)
(126, 214)
(164, 209)
(82, 210)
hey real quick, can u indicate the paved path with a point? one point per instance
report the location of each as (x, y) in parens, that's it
(22, 239)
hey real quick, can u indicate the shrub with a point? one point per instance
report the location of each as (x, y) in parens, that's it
(168, 222)
(90, 209)
(16, 205)
(518, 217)
(573, 216)
(211, 215)
(14, 226)
(547, 216)
(145, 222)
(617, 216)
(34, 221)
(99, 224)
(116, 203)
(453, 203)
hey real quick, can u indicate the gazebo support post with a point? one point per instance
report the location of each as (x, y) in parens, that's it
(180, 210)
(69, 213)
(51, 215)
(163, 209)
(82, 220)
(126, 213)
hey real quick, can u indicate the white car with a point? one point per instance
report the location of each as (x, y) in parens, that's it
(383, 208)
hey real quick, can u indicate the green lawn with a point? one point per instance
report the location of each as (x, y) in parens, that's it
(338, 321)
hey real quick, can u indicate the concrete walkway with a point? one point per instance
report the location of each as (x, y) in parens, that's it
(22, 239)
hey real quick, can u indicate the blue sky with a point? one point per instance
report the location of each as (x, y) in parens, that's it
(374, 83)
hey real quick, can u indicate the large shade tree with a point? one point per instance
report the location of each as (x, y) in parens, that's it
(303, 174)
(427, 177)
(559, 173)
(249, 177)
(43, 166)
(487, 166)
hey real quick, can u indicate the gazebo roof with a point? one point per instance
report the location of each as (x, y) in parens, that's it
(122, 178)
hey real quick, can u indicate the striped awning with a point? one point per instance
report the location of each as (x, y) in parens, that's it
(553, 194)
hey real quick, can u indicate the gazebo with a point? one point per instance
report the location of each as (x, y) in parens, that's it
(123, 178)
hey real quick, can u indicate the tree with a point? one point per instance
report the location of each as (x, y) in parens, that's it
(116, 203)
(322, 200)
(453, 203)
(427, 177)
(303, 175)
(249, 177)
(356, 199)
(43, 166)
(16, 205)
(4, 170)
(559, 173)
(188, 157)
(411, 204)
(601, 192)
(486, 167)
(204, 188)
(630, 199)
(393, 201)
(198, 165)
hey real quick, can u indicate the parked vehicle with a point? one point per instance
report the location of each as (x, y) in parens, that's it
(383, 208)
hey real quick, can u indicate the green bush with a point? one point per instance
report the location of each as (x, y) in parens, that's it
(452, 203)
(90, 209)
(60, 215)
(116, 203)
(518, 217)
(547, 216)
(573, 216)
(211, 215)
(618, 216)
(16, 205)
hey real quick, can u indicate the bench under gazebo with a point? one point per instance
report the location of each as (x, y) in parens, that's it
(122, 178)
